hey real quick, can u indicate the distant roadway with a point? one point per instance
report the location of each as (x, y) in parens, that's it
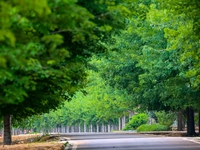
(128, 141)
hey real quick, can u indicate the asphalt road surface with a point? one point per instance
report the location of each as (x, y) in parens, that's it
(128, 141)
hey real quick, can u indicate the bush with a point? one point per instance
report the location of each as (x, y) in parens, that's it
(136, 121)
(166, 118)
(153, 127)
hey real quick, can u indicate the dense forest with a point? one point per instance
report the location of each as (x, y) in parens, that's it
(66, 62)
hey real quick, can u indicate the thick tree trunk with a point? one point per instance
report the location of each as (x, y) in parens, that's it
(199, 123)
(7, 130)
(180, 121)
(190, 121)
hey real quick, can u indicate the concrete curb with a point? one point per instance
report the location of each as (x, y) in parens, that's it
(150, 132)
(193, 139)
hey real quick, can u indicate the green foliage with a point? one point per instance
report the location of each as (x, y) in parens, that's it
(165, 118)
(66, 144)
(136, 121)
(153, 64)
(34, 73)
(152, 127)
(42, 49)
(147, 59)
(96, 103)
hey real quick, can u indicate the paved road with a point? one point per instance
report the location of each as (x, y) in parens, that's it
(125, 141)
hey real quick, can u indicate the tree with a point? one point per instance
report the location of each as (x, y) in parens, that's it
(153, 44)
(34, 77)
(41, 53)
(182, 37)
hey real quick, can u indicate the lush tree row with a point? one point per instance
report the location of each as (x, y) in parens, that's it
(97, 103)
(156, 58)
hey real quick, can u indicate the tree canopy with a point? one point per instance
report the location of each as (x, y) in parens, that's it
(42, 50)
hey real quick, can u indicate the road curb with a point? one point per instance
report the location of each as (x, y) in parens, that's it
(192, 139)
(150, 132)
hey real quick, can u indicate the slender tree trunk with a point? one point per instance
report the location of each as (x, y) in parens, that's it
(7, 140)
(85, 127)
(91, 128)
(79, 127)
(102, 127)
(123, 121)
(119, 123)
(97, 128)
(131, 114)
(190, 121)
(62, 129)
(109, 126)
(180, 121)
(67, 129)
(73, 128)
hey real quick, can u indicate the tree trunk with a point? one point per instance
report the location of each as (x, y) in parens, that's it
(72, 128)
(109, 126)
(180, 121)
(119, 123)
(199, 123)
(123, 121)
(190, 121)
(7, 130)
(103, 127)
(79, 127)
(67, 129)
(97, 128)
(91, 128)
(85, 127)
(131, 114)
